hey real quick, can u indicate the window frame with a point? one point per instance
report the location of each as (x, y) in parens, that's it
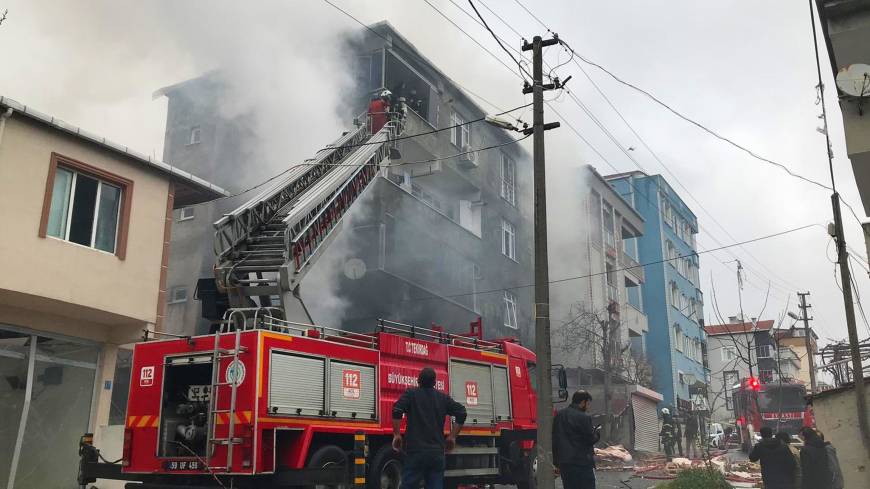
(172, 294)
(764, 348)
(509, 197)
(194, 131)
(183, 217)
(509, 227)
(510, 310)
(124, 207)
(728, 348)
(463, 130)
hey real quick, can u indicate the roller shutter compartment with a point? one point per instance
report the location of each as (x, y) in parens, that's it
(501, 393)
(351, 390)
(471, 385)
(296, 385)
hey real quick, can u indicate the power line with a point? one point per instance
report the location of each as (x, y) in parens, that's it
(497, 39)
(641, 265)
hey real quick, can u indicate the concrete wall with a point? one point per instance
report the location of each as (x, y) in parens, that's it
(111, 288)
(837, 419)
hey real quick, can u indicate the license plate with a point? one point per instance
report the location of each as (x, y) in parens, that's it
(198, 392)
(183, 465)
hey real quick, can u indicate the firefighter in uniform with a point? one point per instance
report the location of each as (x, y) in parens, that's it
(668, 433)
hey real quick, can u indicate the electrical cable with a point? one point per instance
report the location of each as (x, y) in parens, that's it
(497, 39)
(430, 160)
(641, 265)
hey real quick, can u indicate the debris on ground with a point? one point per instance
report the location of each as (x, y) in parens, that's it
(739, 474)
(614, 453)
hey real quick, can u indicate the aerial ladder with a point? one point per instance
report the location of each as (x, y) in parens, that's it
(265, 247)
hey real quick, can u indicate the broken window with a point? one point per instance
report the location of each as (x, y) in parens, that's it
(84, 210)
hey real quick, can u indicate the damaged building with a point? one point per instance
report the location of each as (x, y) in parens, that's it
(434, 239)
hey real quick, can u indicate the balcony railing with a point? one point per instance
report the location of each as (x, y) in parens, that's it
(632, 266)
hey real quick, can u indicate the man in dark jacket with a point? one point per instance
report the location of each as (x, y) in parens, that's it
(574, 439)
(777, 462)
(426, 409)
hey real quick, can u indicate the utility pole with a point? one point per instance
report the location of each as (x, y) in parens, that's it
(751, 335)
(545, 472)
(846, 279)
(804, 307)
(842, 256)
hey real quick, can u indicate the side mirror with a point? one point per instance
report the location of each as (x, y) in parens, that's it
(561, 376)
(562, 396)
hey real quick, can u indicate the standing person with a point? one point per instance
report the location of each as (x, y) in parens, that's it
(574, 439)
(692, 449)
(379, 109)
(820, 468)
(667, 433)
(426, 409)
(809, 416)
(678, 435)
(777, 462)
(786, 440)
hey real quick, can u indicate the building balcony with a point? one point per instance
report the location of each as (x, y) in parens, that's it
(632, 267)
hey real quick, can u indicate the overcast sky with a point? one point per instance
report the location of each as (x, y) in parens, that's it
(743, 68)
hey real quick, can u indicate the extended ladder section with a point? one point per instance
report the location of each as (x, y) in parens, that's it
(265, 247)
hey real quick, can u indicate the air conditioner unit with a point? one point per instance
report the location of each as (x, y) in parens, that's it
(468, 158)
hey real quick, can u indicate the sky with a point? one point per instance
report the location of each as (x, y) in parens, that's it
(744, 69)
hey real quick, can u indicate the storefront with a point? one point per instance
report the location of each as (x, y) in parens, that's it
(47, 393)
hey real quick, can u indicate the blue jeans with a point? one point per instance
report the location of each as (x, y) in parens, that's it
(578, 476)
(426, 466)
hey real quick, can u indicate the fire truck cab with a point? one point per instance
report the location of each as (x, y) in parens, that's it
(282, 404)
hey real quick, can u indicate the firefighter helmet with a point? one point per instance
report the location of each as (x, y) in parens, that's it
(386, 94)
(666, 411)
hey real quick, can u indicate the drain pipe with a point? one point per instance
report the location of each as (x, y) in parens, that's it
(3, 118)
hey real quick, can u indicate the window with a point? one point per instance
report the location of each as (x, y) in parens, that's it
(608, 221)
(730, 378)
(763, 351)
(682, 377)
(509, 240)
(508, 179)
(195, 135)
(510, 310)
(728, 353)
(86, 206)
(678, 338)
(186, 213)
(765, 376)
(178, 294)
(460, 135)
(675, 295)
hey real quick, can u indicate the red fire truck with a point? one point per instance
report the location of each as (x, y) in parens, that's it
(281, 404)
(271, 400)
(780, 406)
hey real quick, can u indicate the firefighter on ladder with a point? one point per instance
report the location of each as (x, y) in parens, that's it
(668, 433)
(379, 109)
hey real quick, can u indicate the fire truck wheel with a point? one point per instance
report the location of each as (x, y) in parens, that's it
(328, 456)
(385, 471)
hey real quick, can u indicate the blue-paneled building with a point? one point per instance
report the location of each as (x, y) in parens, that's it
(673, 302)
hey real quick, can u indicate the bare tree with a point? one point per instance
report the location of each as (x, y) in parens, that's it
(3, 17)
(596, 335)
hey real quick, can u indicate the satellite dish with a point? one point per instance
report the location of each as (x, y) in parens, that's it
(854, 80)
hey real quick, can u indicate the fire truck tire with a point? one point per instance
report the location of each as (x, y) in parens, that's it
(328, 456)
(385, 470)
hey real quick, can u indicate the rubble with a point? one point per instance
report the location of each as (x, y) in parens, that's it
(614, 453)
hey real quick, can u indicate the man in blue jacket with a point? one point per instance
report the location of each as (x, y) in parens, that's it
(574, 439)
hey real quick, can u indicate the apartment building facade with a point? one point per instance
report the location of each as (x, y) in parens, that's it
(433, 240)
(672, 298)
(794, 339)
(86, 230)
(601, 248)
(732, 347)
